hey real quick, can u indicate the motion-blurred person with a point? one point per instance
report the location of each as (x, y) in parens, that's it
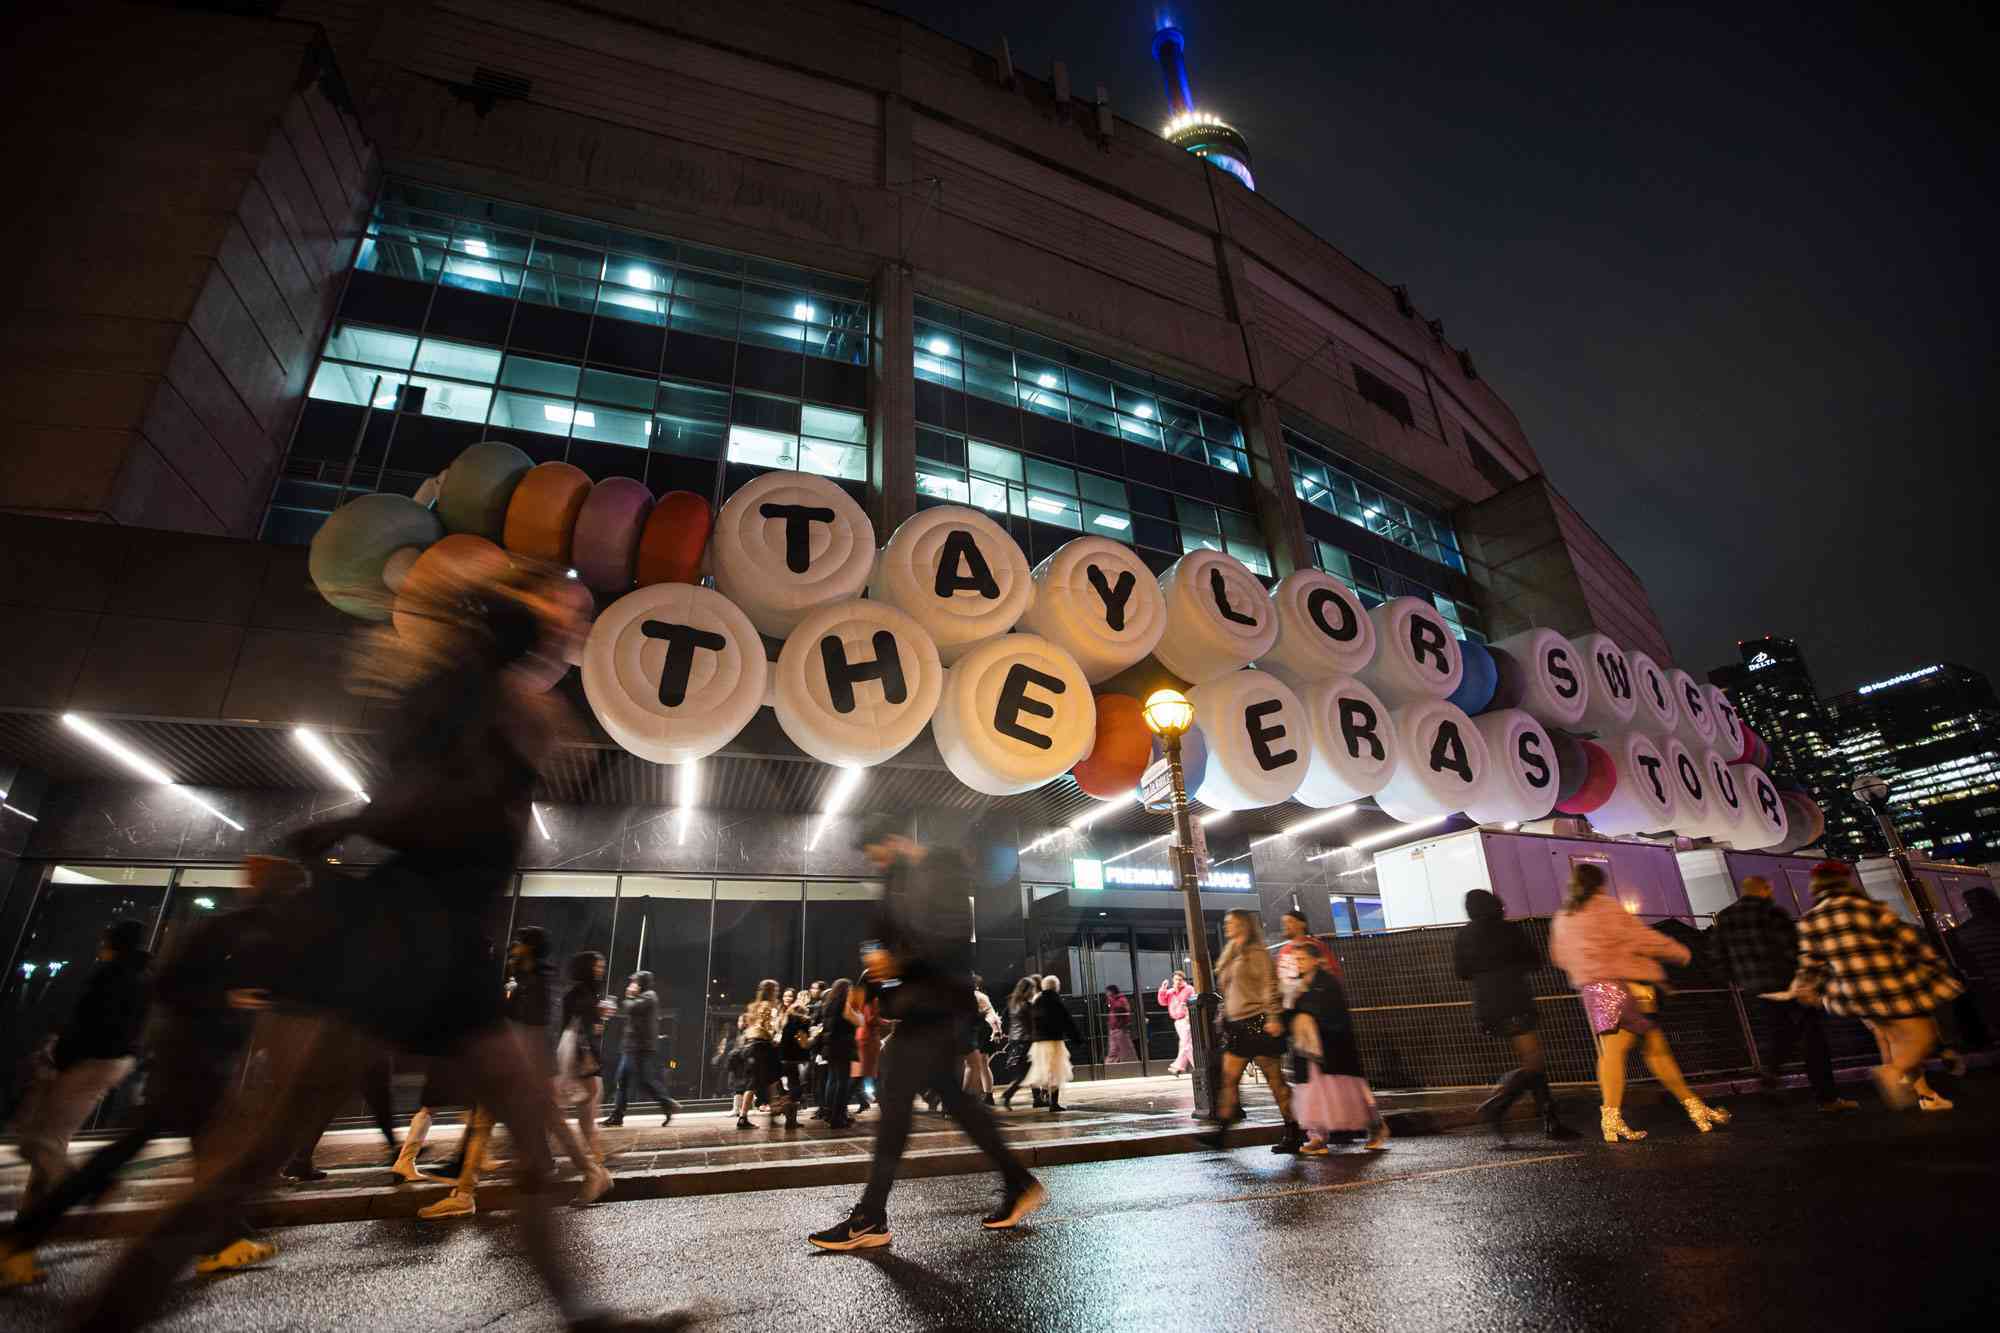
(639, 1050)
(1299, 940)
(840, 1024)
(794, 1054)
(206, 992)
(402, 960)
(95, 1053)
(1252, 1028)
(579, 1081)
(985, 1038)
(910, 967)
(1496, 956)
(1975, 942)
(1020, 1034)
(1614, 961)
(1757, 950)
(1859, 959)
(1175, 997)
(1331, 1095)
(1049, 1067)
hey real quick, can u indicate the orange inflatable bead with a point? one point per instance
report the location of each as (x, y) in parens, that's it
(449, 564)
(1123, 748)
(675, 538)
(541, 518)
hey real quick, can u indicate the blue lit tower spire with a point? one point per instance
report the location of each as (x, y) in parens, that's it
(1202, 133)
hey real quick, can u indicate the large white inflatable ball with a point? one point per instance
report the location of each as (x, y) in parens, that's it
(353, 551)
(789, 542)
(1697, 720)
(1015, 713)
(1613, 702)
(1728, 722)
(1725, 797)
(1694, 809)
(1355, 749)
(1445, 765)
(673, 671)
(1096, 599)
(1641, 799)
(1416, 654)
(1323, 630)
(1544, 674)
(856, 682)
(1522, 777)
(1258, 742)
(1762, 822)
(958, 574)
(1659, 712)
(1218, 617)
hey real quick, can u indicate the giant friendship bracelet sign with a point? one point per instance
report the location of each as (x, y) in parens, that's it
(1300, 693)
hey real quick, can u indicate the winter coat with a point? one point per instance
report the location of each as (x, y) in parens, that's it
(1864, 961)
(1324, 1003)
(1118, 1009)
(109, 1015)
(1049, 1019)
(1976, 945)
(793, 1035)
(924, 911)
(642, 1020)
(1020, 1026)
(1176, 1000)
(1496, 956)
(1756, 945)
(1601, 941)
(1289, 969)
(532, 1001)
(1248, 980)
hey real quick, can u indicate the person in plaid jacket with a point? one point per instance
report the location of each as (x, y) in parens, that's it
(1757, 949)
(1858, 958)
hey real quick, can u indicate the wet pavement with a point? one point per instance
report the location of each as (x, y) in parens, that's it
(1784, 1219)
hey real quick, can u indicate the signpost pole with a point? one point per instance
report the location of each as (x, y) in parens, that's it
(1206, 1075)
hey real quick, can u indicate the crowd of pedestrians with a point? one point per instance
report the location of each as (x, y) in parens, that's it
(338, 975)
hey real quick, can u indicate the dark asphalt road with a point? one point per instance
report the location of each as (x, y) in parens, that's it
(1782, 1220)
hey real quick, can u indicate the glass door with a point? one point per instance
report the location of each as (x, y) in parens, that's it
(663, 926)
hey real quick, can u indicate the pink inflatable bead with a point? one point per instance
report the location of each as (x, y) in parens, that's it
(607, 535)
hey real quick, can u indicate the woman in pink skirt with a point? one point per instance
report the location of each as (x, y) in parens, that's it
(1332, 1096)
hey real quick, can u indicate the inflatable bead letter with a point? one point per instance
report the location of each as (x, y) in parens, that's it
(1323, 630)
(1444, 766)
(1016, 712)
(1259, 744)
(1762, 822)
(1523, 778)
(478, 486)
(856, 682)
(1694, 808)
(674, 671)
(351, 551)
(1728, 722)
(1120, 750)
(1218, 617)
(1640, 798)
(1416, 655)
(1697, 722)
(1612, 702)
(958, 574)
(607, 533)
(1545, 674)
(1658, 712)
(788, 542)
(1355, 750)
(674, 540)
(1725, 798)
(1097, 600)
(1804, 819)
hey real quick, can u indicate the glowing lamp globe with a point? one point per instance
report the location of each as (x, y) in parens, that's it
(1168, 713)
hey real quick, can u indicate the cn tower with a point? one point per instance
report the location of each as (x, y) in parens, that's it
(1201, 132)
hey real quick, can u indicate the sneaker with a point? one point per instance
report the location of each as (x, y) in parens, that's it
(612, 1123)
(454, 1204)
(1933, 1102)
(17, 1269)
(1840, 1104)
(1315, 1150)
(856, 1233)
(1895, 1089)
(668, 1110)
(743, 1122)
(304, 1174)
(240, 1253)
(1015, 1206)
(595, 1186)
(1380, 1138)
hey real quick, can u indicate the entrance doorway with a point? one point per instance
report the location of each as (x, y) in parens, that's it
(1128, 1032)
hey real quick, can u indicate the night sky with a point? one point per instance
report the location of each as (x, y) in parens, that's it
(1731, 270)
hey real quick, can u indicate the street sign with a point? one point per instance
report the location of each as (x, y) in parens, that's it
(1156, 786)
(1201, 857)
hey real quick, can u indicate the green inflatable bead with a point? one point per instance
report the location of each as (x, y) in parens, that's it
(478, 486)
(353, 546)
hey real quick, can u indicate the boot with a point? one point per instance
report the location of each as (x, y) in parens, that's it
(1041, 1099)
(1704, 1116)
(1545, 1102)
(1494, 1109)
(1612, 1121)
(1291, 1141)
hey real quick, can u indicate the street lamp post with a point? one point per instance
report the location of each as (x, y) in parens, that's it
(1169, 715)
(1872, 790)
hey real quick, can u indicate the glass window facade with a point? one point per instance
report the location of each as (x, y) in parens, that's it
(626, 354)
(1375, 585)
(1059, 440)
(1324, 480)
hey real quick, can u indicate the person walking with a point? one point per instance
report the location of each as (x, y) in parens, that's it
(1860, 960)
(840, 1025)
(1613, 960)
(921, 935)
(1020, 1034)
(794, 1041)
(579, 1077)
(1053, 1030)
(1252, 1029)
(1756, 948)
(1495, 955)
(1975, 942)
(985, 1040)
(1175, 996)
(1299, 940)
(1118, 1014)
(757, 1052)
(1331, 1094)
(95, 1053)
(639, 1051)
